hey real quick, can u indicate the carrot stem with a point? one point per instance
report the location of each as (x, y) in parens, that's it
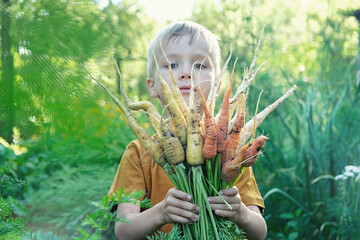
(217, 171)
(201, 197)
(172, 176)
(217, 193)
(209, 170)
(180, 173)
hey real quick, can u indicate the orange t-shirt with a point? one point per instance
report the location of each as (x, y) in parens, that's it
(137, 171)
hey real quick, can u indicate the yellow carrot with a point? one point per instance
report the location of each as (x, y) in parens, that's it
(150, 110)
(173, 149)
(151, 146)
(177, 118)
(194, 147)
(175, 90)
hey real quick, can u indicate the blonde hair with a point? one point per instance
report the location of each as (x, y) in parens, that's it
(179, 29)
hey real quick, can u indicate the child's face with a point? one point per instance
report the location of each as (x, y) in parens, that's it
(182, 56)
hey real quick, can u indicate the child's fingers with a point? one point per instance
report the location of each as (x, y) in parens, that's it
(178, 208)
(180, 219)
(222, 206)
(180, 194)
(226, 213)
(229, 191)
(181, 204)
(179, 215)
(229, 199)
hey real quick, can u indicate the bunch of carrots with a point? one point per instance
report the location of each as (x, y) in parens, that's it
(200, 152)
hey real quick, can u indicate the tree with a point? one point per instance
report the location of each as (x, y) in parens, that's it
(7, 91)
(50, 41)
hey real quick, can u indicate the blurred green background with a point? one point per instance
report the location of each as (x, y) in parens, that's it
(62, 138)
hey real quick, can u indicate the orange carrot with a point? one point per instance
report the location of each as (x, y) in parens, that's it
(231, 168)
(251, 154)
(228, 172)
(210, 141)
(232, 141)
(246, 157)
(222, 125)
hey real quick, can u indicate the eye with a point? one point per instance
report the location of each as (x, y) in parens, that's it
(199, 66)
(172, 65)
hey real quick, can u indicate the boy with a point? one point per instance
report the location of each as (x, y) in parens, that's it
(184, 43)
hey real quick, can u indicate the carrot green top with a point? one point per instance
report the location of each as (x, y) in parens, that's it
(137, 171)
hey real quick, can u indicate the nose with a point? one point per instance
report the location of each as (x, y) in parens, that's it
(185, 73)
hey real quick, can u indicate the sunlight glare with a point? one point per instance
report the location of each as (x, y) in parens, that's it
(161, 10)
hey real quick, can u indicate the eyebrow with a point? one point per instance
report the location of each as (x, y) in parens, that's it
(195, 55)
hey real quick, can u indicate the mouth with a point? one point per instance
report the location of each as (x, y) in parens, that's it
(185, 89)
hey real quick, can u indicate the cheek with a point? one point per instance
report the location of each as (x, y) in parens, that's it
(205, 83)
(166, 76)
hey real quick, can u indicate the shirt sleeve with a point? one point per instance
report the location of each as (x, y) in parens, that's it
(248, 189)
(129, 175)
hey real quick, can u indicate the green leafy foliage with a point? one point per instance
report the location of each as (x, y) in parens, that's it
(229, 230)
(106, 214)
(40, 235)
(10, 226)
(11, 210)
(50, 40)
(65, 198)
(176, 233)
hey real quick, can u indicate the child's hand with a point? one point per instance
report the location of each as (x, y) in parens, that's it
(177, 207)
(232, 197)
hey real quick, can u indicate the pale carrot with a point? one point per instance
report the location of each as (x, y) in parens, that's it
(250, 76)
(216, 86)
(259, 118)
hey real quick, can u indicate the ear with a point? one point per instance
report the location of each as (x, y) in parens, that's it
(151, 87)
